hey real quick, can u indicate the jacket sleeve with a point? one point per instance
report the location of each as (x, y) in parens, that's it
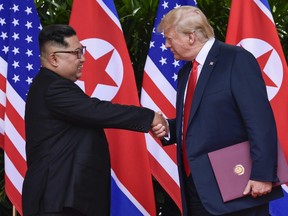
(249, 91)
(67, 101)
(172, 136)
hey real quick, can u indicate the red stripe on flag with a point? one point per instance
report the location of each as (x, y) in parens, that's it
(2, 112)
(14, 155)
(2, 141)
(13, 194)
(170, 149)
(2, 83)
(166, 181)
(15, 119)
(158, 97)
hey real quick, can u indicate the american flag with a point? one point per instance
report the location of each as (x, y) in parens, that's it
(251, 26)
(19, 63)
(159, 93)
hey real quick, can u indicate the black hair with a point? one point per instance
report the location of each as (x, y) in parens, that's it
(55, 33)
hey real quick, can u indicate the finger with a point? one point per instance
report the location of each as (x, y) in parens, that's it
(254, 194)
(161, 130)
(247, 189)
(158, 130)
(157, 127)
(161, 135)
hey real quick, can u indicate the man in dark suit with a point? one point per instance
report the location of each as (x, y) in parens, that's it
(67, 151)
(229, 105)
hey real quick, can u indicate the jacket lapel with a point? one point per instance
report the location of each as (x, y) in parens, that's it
(183, 76)
(206, 72)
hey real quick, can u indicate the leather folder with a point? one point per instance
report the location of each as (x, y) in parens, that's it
(232, 168)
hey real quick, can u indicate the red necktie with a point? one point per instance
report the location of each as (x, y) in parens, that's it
(187, 106)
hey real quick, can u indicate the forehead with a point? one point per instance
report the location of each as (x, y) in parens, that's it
(169, 32)
(73, 42)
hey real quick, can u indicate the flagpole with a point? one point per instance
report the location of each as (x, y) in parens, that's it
(14, 213)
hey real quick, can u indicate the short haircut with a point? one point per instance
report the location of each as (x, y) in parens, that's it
(55, 35)
(187, 19)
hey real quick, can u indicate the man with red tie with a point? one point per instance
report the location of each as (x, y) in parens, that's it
(228, 105)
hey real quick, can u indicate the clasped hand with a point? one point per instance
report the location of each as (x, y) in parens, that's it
(159, 127)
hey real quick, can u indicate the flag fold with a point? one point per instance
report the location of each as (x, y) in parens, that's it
(108, 75)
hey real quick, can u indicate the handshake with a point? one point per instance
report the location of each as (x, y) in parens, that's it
(159, 127)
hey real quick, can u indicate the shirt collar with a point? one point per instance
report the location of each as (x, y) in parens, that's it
(201, 57)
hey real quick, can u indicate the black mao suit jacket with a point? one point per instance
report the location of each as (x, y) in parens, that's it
(67, 151)
(229, 106)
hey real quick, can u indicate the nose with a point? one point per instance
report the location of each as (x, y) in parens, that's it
(83, 59)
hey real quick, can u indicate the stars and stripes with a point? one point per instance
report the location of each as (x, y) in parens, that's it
(19, 63)
(159, 93)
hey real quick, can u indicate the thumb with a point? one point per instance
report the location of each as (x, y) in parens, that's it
(247, 189)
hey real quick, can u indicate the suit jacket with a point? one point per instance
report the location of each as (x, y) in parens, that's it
(229, 106)
(67, 151)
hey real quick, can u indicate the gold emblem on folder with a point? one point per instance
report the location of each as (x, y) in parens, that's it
(239, 169)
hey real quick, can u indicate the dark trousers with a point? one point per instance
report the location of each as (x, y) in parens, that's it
(195, 207)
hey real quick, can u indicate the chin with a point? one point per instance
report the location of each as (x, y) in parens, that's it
(79, 75)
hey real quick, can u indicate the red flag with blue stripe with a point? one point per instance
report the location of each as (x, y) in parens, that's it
(251, 26)
(159, 93)
(19, 63)
(108, 75)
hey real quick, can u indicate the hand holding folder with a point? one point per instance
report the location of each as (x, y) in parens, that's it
(232, 168)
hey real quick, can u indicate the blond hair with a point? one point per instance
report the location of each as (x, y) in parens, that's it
(187, 19)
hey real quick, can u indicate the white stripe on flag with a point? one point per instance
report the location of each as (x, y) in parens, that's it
(15, 137)
(15, 100)
(264, 9)
(158, 153)
(285, 187)
(2, 126)
(13, 174)
(3, 67)
(162, 83)
(128, 194)
(3, 72)
(2, 98)
(147, 101)
(163, 159)
(110, 14)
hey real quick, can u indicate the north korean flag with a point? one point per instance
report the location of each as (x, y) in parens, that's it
(251, 26)
(108, 75)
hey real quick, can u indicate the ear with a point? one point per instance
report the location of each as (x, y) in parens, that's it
(53, 59)
(191, 37)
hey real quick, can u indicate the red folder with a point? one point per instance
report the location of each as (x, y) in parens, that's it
(232, 168)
